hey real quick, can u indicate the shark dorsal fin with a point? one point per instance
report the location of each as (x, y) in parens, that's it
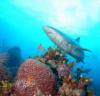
(77, 39)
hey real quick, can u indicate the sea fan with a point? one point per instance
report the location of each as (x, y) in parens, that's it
(3, 58)
(5, 74)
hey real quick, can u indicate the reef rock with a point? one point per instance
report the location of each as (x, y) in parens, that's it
(34, 79)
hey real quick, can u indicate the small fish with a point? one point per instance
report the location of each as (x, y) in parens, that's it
(41, 48)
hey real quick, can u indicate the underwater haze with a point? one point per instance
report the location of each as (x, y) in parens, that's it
(22, 23)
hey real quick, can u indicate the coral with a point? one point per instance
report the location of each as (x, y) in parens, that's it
(14, 56)
(5, 88)
(63, 70)
(66, 90)
(11, 60)
(5, 74)
(34, 78)
(3, 58)
(14, 60)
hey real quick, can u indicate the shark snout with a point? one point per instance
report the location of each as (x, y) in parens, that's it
(48, 30)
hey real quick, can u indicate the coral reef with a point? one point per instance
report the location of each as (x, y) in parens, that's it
(34, 78)
(5, 88)
(48, 75)
(63, 70)
(67, 90)
(14, 56)
(14, 60)
(5, 74)
(9, 63)
(3, 58)
(68, 83)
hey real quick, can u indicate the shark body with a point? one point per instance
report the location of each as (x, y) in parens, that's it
(66, 44)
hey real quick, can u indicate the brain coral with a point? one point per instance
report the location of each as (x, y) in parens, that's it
(34, 78)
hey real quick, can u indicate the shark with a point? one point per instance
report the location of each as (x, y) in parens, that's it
(66, 43)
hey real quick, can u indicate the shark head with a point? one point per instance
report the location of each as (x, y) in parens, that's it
(52, 34)
(49, 30)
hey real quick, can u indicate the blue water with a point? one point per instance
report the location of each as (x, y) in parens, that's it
(22, 22)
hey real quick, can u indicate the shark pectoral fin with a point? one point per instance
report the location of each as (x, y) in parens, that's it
(77, 39)
(86, 50)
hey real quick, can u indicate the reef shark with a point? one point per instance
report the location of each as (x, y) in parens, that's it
(66, 44)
